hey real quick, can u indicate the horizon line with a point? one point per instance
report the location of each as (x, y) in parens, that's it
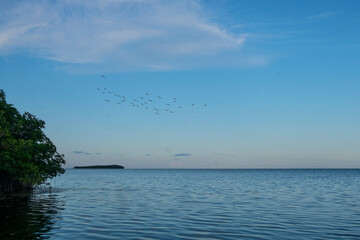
(315, 168)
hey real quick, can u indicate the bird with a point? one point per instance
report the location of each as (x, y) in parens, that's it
(150, 100)
(102, 76)
(119, 103)
(179, 107)
(107, 100)
(171, 111)
(192, 104)
(156, 109)
(156, 113)
(147, 94)
(205, 105)
(98, 89)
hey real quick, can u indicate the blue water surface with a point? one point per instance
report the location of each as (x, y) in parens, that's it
(188, 204)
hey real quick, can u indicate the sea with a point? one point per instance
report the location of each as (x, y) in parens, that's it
(188, 204)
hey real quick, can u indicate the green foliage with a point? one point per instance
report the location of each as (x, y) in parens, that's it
(27, 156)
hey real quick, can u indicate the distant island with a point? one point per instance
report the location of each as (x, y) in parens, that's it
(102, 167)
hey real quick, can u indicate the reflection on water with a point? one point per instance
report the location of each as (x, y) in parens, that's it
(28, 216)
(189, 204)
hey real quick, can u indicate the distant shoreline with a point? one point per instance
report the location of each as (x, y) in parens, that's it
(100, 167)
(226, 168)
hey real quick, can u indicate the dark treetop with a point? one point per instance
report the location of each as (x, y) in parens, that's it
(27, 156)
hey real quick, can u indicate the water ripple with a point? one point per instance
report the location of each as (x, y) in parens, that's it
(189, 204)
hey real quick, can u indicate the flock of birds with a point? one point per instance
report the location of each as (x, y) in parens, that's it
(157, 104)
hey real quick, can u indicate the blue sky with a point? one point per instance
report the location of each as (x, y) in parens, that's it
(280, 80)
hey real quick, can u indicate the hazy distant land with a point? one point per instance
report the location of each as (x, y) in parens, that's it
(102, 167)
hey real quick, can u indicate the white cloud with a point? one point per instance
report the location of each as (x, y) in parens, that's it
(119, 34)
(321, 16)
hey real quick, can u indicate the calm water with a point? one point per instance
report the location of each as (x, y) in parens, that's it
(189, 204)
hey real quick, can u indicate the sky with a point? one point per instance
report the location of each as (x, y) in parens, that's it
(258, 84)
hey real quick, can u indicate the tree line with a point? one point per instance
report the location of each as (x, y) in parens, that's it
(27, 155)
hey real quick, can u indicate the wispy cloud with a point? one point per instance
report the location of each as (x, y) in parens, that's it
(224, 155)
(120, 34)
(182, 155)
(81, 152)
(321, 16)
